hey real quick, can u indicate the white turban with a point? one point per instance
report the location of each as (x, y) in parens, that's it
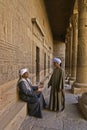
(22, 71)
(57, 60)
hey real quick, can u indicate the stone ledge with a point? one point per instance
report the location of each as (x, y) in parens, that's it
(9, 115)
(8, 94)
(12, 110)
(82, 107)
(79, 90)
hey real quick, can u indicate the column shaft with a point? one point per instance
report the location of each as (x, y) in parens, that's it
(74, 47)
(80, 84)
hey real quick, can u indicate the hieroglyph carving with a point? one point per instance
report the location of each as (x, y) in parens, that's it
(82, 5)
(84, 2)
(75, 21)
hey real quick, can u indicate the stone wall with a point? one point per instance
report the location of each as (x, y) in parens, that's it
(23, 27)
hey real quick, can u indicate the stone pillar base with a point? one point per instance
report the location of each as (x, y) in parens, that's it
(79, 88)
(71, 82)
(82, 104)
(72, 78)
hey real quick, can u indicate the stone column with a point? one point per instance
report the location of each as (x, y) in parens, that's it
(70, 48)
(80, 84)
(74, 47)
(59, 51)
(68, 51)
(67, 65)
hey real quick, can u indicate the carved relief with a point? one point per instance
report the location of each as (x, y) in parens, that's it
(75, 21)
(84, 2)
(37, 30)
(81, 51)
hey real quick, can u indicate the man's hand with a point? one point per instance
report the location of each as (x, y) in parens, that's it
(40, 89)
(41, 85)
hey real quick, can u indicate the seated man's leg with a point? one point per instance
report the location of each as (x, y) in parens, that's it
(42, 100)
(34, 109)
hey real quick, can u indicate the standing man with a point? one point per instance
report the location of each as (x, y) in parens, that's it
(56, 82)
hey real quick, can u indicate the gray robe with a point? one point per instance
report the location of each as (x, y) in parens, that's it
(27, 93)
(57, 96)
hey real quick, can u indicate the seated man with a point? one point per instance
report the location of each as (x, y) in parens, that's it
(30, 94)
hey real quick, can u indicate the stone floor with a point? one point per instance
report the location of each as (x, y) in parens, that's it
(69, 119)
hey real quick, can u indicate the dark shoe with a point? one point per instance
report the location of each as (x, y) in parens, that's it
(38, 117)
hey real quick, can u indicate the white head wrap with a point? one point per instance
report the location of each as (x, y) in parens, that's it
(22, 71)
(57, 60)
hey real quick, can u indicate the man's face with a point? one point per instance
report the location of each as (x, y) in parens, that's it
(56, 64)
(25, 75)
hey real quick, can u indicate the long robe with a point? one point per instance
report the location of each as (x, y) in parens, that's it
(57, 96)
(35, 101)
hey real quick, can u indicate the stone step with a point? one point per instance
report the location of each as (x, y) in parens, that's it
(12, 118)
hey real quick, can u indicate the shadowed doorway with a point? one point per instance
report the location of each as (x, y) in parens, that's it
(37, 64)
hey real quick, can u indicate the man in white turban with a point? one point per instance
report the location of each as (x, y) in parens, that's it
(30, 94)
(56, 82)
(22, 71)
(57, 60)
